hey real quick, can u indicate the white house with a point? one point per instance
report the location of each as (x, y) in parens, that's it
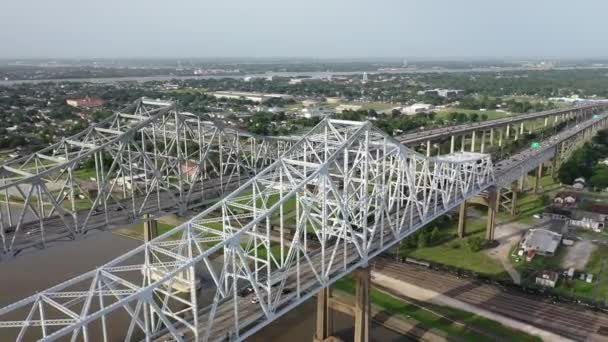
(579, 183)
(417, 108)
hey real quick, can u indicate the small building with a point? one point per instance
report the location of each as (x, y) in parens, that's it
(344, 107)
(588, 220)
(557, 212)
(332, 100)
(547, 278)
(446, 93)
(254, 97)
(565, 198)
(87, 102)
(570, 273)
(541, 241)
(579, 183)
(315, 112)
(416, 108)
(309, 103)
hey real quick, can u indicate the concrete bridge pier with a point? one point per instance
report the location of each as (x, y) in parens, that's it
(514, 192)
(324, 328)
(462, 219)
(493, 203)
(361, 309)
(150, 228)
(555, 163)
(362, 304)
(539, 175)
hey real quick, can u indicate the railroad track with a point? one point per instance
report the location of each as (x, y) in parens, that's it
(565, 320)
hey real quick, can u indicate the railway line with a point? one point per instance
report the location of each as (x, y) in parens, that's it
(565, 320)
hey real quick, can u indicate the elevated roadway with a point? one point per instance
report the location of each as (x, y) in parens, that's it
(446, 132)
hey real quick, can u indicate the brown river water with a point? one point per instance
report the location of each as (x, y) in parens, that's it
(37, 270)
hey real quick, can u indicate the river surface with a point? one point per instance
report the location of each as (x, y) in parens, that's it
(317, 74)
(37, 270)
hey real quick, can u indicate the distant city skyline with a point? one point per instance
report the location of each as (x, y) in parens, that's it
(412, 29)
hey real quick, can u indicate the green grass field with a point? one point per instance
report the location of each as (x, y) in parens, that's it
(457, 324)
(453, 251)
(598, 289)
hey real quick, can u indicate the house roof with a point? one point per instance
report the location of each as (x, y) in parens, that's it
(541, 240)
(564, 194)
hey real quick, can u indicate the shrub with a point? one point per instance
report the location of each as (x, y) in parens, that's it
(475, 243)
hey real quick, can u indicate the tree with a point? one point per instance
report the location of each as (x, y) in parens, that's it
(434, 235)
(423, 239)
(545, 199)
(475, 243)
(600, 177)
(453, 116)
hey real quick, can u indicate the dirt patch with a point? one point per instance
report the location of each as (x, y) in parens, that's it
(507, 235)
(578, 255)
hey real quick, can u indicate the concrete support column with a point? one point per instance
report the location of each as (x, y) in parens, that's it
(521, 128)
(150, 228)
(539, 175)
(507, 133)
(546, 121)
(492, 136)
(428, 148)
(473, 142)
(516, 135)
(324, 328)
(464, 140)
(522, 183)
(462, 219)
(554, 163)
(500, 138)
(452, 142)
(483, 141)
(514, 192)
(362, 304)
(493, 202)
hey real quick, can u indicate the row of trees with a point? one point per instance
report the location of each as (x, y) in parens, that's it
(584, 162)
(511, 105)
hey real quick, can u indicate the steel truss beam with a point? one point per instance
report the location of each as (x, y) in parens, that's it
(342, 194)
(147, 158)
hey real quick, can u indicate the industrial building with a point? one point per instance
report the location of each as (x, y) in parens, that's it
(255, 97)
(540, 241)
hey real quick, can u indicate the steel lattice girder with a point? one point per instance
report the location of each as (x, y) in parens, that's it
(342, 194)
(146, 159)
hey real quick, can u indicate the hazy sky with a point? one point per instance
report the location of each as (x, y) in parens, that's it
(303, 28)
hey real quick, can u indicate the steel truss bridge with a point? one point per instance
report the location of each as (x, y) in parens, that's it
(147, 158)
(354, 189)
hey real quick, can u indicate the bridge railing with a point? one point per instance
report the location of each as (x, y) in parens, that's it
(249, 258)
